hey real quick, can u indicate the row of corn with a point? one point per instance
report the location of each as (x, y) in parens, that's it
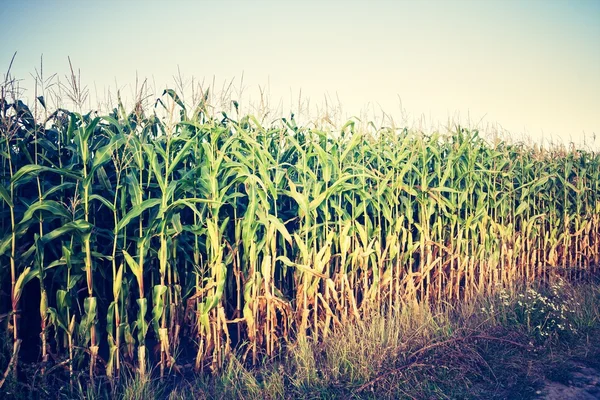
(172, 227)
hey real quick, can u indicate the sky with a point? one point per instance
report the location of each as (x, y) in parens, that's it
(531, 68)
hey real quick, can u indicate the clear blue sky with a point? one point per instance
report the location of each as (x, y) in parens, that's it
(531, 66)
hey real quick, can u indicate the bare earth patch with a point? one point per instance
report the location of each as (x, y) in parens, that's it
(581, 383)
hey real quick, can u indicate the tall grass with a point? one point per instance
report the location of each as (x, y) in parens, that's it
(163, 228)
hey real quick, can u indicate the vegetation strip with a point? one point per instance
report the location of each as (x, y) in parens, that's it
(413, 358)
(171, 236)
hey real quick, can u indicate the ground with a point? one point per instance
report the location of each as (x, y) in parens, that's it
(580, 381)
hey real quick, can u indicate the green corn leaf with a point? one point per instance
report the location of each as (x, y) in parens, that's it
(5, 196)
(133, 266)
(141, 324)
(32, 170)
(24, 277)
(175, 97)
(52, 209)
(102, 200)
(158, 308)
(80, 226)
(137, 211)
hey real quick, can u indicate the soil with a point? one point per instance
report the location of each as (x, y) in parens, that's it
(579, 381)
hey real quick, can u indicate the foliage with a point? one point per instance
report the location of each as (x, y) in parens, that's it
(144, 234)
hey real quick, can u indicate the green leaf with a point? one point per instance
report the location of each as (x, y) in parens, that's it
(137, 211)
(104, 153)
(181, 153)
(176, 221)
(175, 97)
(133, 266)
(53, 208)
(24, 277)
(104, 201)
(140, 322)
(158, 292)
(4, 194)
(32, 170)
(79, 226)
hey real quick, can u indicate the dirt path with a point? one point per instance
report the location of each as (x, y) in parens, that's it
(580, 382)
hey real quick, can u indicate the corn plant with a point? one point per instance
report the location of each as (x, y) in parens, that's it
(171, 235)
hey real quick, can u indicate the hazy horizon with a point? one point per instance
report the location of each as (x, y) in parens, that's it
(531, 68)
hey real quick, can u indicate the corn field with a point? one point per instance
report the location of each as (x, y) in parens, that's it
(152, 239)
